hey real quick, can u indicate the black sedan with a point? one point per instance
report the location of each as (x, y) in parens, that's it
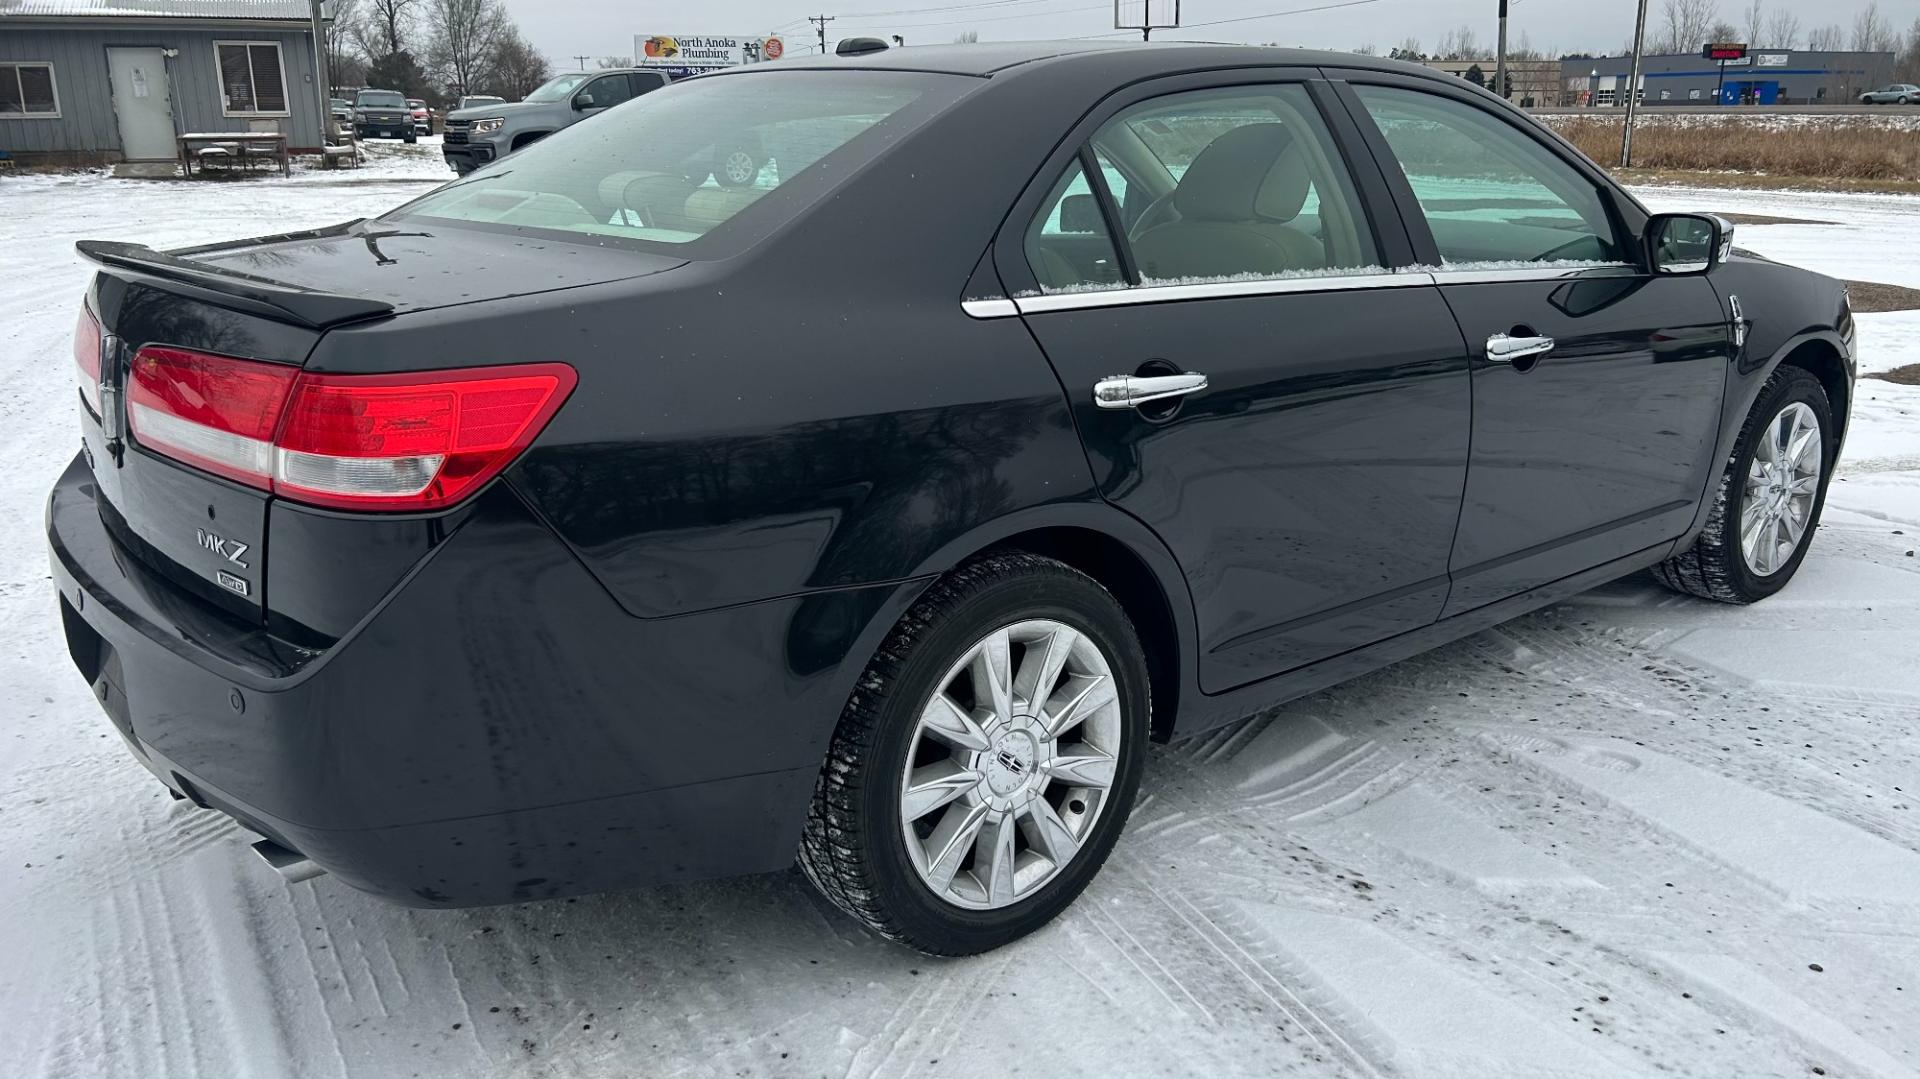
(587, 524)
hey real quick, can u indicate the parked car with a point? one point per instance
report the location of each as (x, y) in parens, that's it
(473, 100)
(476, 135)
(382, 114)
(1899, 93)
(422, 116)
(577, 527)
(341, 110)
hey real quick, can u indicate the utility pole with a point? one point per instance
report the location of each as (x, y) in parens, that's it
(820, 23)
(583, 61)
(320, 66)
(1500, 55)
(1633, 87)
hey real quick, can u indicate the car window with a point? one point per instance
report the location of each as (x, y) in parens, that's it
(1214, 185)
(673, 166)
(605, 92)
(1491, 193)
(645, 81)
(382, 99)
(1068, 243)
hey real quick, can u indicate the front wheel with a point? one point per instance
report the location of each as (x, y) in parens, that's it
(985, 767)
(1769, 499)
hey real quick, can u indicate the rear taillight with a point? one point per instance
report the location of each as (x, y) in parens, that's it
(86, 358)
(379, 442)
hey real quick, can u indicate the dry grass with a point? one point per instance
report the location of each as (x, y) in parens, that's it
(1832, 152)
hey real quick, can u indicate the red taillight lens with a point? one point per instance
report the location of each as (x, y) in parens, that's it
(387, 442)
(212, 412)
(86, 358)
(417, 441)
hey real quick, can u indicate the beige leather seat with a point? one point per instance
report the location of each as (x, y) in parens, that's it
(1236, 202)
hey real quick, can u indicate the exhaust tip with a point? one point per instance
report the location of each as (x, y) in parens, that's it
(292, 865)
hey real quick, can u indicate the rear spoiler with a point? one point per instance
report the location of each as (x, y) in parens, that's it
(231, 288)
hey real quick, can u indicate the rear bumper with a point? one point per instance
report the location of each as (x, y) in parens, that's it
(497, 729)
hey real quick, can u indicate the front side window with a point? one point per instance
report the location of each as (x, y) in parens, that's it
(27, 90)
(1491, 194)
(1212, 185)
(556, 88)
(605, 92)
(677, 164)
(252, 82)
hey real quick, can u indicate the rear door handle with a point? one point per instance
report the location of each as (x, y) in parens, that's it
(1129, 391)
(1504, 349)
(1500, 348)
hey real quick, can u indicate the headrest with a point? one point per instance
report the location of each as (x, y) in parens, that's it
(1252, 173)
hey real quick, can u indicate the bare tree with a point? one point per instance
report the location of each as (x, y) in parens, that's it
(1783, 30)
(967, 37)
(1459, 44)
(343, 67)
(1906, 66)
(1684, 24)
(1872, 32)
(1723, 31)
(388, 26)
(1408, 49)
(464, 35)
(517, 68)
(1828, 38)
(614, 61)
(1366, 50)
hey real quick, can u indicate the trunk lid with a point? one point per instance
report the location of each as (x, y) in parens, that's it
(270, 300)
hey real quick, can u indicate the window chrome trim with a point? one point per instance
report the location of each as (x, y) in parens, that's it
(1444, 276)
(1218, 290)
(1223, 290)
(996, 307)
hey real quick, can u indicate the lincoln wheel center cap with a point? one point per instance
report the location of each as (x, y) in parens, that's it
(1009, 763)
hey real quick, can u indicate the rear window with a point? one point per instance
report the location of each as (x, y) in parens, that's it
(382, 98)
(674, 165)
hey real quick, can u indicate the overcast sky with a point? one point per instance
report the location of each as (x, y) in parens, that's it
(563, 28)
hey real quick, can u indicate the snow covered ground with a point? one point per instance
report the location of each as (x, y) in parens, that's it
(1628, 834)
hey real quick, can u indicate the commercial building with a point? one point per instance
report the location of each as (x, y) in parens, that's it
(1764, 77)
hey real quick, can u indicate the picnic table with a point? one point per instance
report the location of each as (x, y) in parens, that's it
(245, 141)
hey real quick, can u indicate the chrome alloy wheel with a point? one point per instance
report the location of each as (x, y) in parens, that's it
(1010, 764)
(1782, 483)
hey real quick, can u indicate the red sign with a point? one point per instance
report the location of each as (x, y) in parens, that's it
(1724, 51)
(773, 48)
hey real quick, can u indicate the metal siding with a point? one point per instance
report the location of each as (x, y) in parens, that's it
(87, 122)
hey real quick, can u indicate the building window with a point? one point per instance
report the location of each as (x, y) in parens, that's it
(27, 90)
(1693, 95)
(252, 82)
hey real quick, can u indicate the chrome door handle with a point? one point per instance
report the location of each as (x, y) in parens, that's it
(1504, 349)
(1129, 391)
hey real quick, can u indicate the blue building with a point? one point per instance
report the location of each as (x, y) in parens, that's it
(1765, 77)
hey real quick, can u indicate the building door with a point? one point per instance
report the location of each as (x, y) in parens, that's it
(142, 103)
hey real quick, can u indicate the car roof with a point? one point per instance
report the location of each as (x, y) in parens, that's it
(986, 59)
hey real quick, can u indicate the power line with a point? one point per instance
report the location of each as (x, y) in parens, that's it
(1243, 18)
(995, 18)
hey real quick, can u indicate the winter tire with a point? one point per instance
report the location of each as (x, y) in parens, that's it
(1768, 504)
(984, 769)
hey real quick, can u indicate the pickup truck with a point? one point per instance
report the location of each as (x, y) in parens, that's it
(382, 114)
(483, 133)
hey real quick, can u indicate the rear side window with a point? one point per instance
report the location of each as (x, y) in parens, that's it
(1209, 185)
(682, 161)
(1490, 193)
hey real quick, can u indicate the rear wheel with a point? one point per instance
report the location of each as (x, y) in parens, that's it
(983, 772)
(1769, 500)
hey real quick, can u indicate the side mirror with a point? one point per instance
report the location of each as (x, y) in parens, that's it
(1080, 213)
(1687, 243)
(582, 102)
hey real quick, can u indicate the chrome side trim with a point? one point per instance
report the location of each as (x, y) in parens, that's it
(1445, 276)
(1218, 290)
(994, 308)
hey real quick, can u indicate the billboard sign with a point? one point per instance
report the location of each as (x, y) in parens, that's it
(1727, 52)
(690, 54)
